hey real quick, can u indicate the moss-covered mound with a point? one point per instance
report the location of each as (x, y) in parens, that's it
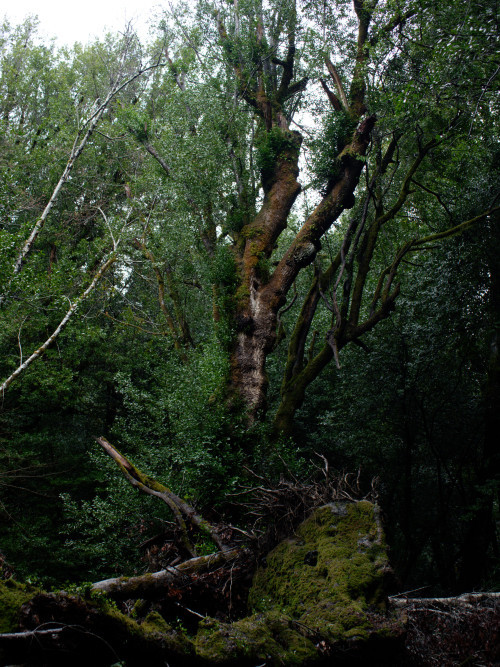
(320, 592)
(270, 638)
(319, 596)
(12, 596)
(329, 574)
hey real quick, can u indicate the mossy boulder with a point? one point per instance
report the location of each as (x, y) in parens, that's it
(319, 593)
(330, 574)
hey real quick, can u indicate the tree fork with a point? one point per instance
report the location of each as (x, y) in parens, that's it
(298, 376)
(257, 308)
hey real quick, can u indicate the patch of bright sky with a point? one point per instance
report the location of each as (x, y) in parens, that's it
(71, 22)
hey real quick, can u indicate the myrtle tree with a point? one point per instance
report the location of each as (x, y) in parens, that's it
(271, 183)
(398, 100)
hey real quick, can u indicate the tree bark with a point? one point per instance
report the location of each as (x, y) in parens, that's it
(256, 309)
(156, 584)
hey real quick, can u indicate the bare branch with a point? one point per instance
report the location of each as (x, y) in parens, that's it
(62, 324)
(76, 151)
(338, 84)
(453, 231)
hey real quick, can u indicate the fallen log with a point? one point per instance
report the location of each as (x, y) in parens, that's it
(58, 629)
(316, 596)
(55, 646)
(449, 631)
(156, 584)
(464, 600)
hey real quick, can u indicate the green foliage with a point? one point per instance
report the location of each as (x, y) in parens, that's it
(337, 129)
(135, 122)
(410, 411)
(271, 145)
(224, 271)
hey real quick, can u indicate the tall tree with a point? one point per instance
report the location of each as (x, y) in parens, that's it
(271, 182)
(400, 101)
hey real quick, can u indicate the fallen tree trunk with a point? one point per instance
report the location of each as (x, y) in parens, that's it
(463, 601)
(155, 584)
(317, 598)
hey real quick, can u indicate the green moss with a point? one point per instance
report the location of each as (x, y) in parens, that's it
(263, 267)
(154, 628)
(154, 622)
(250, 232)
(272, 145)
(332, 595)
(318, 587)
(266, 637)
(12, 596)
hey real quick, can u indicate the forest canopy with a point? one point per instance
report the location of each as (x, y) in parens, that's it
(266, 238)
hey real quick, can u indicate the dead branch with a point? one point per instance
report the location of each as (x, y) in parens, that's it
(183, 512)
(156, 584)
(76, 151)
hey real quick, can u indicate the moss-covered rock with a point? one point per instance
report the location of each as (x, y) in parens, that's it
(321, 589)
(329, 574)
(12, 596)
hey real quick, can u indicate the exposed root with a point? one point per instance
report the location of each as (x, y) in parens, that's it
(275, 510)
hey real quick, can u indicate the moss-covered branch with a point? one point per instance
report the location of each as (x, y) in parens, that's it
(155, 585)
(454, 231)
(182, 511)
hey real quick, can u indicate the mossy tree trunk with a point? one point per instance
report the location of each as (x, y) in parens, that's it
(259, 293)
